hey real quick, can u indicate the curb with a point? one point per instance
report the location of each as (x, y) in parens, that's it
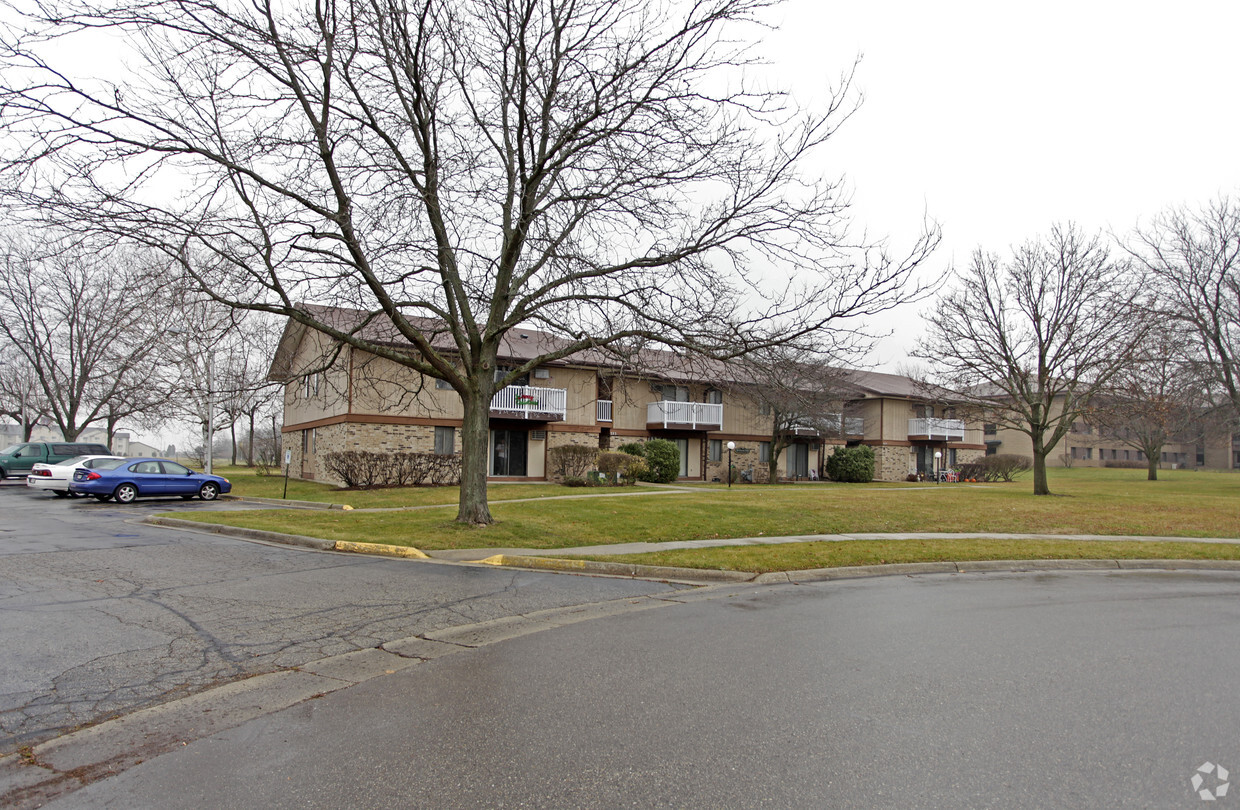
(618, 569)
(380, 549)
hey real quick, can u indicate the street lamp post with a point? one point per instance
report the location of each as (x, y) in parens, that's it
(937, 455)
(731, 447)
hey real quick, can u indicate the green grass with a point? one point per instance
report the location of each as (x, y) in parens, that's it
(1108, 502)
(802, 556)
(246, 482)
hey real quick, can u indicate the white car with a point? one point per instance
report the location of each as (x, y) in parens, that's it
(56, 477)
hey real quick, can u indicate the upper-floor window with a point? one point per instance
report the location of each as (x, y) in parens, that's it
(310, 384)
(673, 393)
(714, 396)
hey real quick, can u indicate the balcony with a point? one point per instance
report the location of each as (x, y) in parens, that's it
(528, 402)
(603, 411)
(943, 430)
(668, 415)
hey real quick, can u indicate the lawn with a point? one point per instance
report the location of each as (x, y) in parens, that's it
(1109, 502)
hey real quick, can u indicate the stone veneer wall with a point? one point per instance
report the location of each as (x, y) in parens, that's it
(742, 462)
(892, 463)
(361, 436)
(563, 439)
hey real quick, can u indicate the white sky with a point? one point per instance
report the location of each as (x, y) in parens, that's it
(999, 119)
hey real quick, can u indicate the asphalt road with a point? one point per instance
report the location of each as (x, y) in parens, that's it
(1072, 689)
(100, 616)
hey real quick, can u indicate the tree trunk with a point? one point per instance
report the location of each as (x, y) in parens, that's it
(249, 452)
(232, 435)
(1040, 486)
(1152, 474)
(475, 444)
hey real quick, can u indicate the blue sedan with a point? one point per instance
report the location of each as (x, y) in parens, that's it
(127, 479)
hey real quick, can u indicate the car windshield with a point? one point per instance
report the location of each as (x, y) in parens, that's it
(69, 462)
(10, 450)
(110, 464)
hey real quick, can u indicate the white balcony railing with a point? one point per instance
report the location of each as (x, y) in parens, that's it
(694, 415)
(604, 410)
(528, 402)
(946, 429)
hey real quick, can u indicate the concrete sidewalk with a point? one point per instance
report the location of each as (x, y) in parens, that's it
(472, 554)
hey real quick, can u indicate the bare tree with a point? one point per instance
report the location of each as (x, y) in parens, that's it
(600, 169)
(21, 398)
(1155, 398)
(75, 320)
(801, 393)
(1193, 257)
(1033, 339)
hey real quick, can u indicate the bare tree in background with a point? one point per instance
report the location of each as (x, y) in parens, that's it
(21, 398)
(601, 169)
(801, 393)
(1193, 257)
(73, 317)
(1154, 399)
(1034, 338)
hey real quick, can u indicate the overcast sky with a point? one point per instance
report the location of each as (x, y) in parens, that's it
(999, 119)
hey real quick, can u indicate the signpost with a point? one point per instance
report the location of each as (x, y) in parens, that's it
(288, 459)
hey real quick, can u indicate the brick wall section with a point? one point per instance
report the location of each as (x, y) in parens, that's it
(891, 463)
(360, 436)
(741, 461)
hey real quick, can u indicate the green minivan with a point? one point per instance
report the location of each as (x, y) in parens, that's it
(17, 459)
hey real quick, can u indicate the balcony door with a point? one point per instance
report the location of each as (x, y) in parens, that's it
(509, 451)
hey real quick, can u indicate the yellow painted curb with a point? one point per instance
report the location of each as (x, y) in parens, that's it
(552, 563)
(379, 548)
(347, 508)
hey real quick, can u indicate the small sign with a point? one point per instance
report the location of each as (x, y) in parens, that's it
(288, 457)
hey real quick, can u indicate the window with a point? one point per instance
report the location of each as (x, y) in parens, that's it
(714, 396)
(172, 468)
(715, 450)
(764, 452)
(445, 440)
(990, 429)
(1089, 453)
(764, 409)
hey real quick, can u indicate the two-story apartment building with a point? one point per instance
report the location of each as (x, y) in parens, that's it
(341, 398)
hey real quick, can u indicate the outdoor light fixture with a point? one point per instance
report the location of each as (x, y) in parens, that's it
(937, 455)
(731, 447)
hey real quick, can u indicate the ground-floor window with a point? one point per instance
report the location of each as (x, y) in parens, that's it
(445, 440)
(715, 450)
(509, 451)
(764, 452)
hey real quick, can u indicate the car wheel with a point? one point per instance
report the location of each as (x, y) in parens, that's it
(103, 498)
(125, 493)
(209, 491)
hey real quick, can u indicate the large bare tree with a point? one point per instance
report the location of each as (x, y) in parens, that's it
(87, 321)
(1033, 338)
(601, 169)
(1193, 258)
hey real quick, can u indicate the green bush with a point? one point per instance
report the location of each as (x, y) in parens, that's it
(633, 449)
(621, 467)
(853, 465)
(662, 461)
(571, 460)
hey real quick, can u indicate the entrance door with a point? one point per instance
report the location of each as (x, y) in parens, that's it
(683, 446)
(509, 450)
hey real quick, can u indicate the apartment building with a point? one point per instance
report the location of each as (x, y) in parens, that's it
(340, 398)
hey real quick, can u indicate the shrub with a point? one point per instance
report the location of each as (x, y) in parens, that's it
(973, 470)
(1004, 467)
(571, 460)
(576, 481)
(624, 466)
(1126, 465)
(662, 461)
(633, 448)
(364, 469)
(854, 465)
